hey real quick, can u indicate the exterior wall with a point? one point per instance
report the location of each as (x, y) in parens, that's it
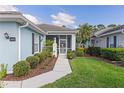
(26, 42)
(8, 49)
(103, 40)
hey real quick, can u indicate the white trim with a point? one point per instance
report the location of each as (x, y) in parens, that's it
(59, 44)
(66, 44)
(73, 40)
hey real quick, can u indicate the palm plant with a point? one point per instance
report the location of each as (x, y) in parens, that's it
(84, 34)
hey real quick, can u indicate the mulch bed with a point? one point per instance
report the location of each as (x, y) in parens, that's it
(117, 63)
(45, 66)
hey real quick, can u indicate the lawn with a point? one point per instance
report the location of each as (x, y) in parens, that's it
(91, 73)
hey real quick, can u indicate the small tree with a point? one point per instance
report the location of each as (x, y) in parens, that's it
(84, 34)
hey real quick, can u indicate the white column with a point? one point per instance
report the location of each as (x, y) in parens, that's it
(43, 42)
(66, 45)
(55, 48)
(73, 42)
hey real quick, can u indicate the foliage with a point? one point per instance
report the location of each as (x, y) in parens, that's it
(70, 54)
(33, 60)
(38, 55)
(116, 54)
(100, 27)
(3, 70)
(49, 42)
(43, 55)
(94, 51)
(21, 68)
(91, 73)
(85, 31)
(112, 25)
(80, 51)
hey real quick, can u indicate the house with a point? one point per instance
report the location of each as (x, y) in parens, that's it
(109, 37)
(20, 38)
(65, 37)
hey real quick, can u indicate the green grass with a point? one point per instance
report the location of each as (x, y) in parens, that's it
(89, 73)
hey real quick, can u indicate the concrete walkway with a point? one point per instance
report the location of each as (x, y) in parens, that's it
(62, 68)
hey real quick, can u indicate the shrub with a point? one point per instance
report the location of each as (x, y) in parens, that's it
(33, 60)
(70, 54)
(80, 51)
(40, 56)
(94, 51)
(49, 42)
(21, 68)
(47, 53)
(3, 70)
(116, 54)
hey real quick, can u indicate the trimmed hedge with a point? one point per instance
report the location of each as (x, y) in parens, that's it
(21, 68)
(80, 52)
(94, 51)
(33, 60)
(116, 54)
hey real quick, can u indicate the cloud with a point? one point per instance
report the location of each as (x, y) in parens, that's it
(8, 8)
(63, 19)
(32, 18)
(13, 8)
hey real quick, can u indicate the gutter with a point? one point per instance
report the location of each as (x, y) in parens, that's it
(19, 41)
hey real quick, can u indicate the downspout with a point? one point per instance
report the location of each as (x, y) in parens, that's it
(19, 36)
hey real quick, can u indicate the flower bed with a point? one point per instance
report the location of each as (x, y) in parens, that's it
(45, 66)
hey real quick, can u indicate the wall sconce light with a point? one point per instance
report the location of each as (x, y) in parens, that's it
(6, 35)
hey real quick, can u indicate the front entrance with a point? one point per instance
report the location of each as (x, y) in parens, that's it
(64, 43)
(62, 47)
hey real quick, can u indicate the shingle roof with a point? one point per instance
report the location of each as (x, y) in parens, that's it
(108, 30)
(114, 29)
(48, 27)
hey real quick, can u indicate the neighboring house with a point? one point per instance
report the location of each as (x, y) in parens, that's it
(20, 38)
(109, 38)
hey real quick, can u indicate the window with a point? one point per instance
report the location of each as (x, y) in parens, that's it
(35, 43)
(115, 41)
(97, 41)
(32, 43)
(107, 42)
(39, 43)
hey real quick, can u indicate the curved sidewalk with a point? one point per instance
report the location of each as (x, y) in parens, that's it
(62, 68)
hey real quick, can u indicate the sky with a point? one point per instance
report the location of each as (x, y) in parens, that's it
(73, 15)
